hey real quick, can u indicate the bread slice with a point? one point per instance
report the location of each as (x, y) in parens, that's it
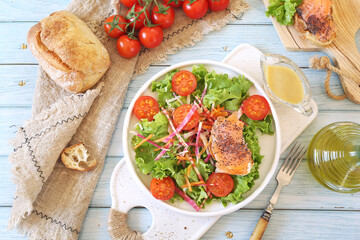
(76, 157)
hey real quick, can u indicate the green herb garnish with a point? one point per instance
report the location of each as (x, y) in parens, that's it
(283, 10)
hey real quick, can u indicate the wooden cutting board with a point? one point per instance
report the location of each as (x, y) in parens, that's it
(343, 50)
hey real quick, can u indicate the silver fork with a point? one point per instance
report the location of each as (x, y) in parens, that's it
(283, 178)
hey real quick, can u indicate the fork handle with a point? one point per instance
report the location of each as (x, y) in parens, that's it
(262, 223)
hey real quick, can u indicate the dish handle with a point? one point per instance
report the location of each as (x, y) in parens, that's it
(118, 228)
(126, 194)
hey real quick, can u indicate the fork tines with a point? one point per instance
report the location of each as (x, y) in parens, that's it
(294, 158)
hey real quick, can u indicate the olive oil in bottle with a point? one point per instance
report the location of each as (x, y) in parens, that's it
(334, 157)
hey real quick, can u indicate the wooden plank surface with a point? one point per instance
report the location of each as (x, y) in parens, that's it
(304, 192)
(305, 210)
(14, 95)
(284, 224)
(230, 36)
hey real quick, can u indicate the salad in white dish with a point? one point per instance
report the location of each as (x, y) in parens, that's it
(194, 139)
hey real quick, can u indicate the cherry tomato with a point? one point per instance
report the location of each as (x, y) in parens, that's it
(220, 184)
(163, 20)
(130, 3)
(256, 107)
(140, 21)
(174, 3)
(180, 114)
(162, 189)
(197, 9)
(128, 47)
(184, 82)
(115, 25)
(151, 37)
(218, 5)
(146, 107)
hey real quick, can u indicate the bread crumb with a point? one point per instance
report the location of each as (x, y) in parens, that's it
(23, 46)
(76, 157)
(22, 83)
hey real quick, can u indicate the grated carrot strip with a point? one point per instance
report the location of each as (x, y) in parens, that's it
(161, 139)
(193, 184)
(165, 146)
(188, 183)
(188, 170)
(143, 141)
(218, 111)
(207, 126)
(204, 148)
(199, 176)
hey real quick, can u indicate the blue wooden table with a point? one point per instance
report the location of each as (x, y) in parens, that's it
(305, 209)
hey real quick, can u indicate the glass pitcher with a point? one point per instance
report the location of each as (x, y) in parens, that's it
(274, 59)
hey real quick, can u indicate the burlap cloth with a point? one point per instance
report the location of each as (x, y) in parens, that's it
(50, 200)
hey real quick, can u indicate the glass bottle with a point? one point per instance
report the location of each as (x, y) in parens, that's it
(334, 157)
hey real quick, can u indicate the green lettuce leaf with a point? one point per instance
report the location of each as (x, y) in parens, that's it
(224, 91)
(158, 127)
(242, 184)
(265, 125)
(145, 154)
(283, 10)
(250, 136)
(163, 88)
(198, 193)
(200, 73)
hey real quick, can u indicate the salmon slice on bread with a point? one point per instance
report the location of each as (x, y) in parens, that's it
(315, 19)
(228, 147)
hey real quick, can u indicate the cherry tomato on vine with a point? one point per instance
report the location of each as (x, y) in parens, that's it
(151, 37)
(162, 189)
(163, 20)
(174, 3)
(220, 184)
(140, 21)
(218, 5)
(256, 107)
(128, 47)
(146, 107)
(115, 25)
(130, 3)
(197, 9)
(183, 82)
(180, 114)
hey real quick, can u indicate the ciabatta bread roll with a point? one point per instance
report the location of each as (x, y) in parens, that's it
(68, 51)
